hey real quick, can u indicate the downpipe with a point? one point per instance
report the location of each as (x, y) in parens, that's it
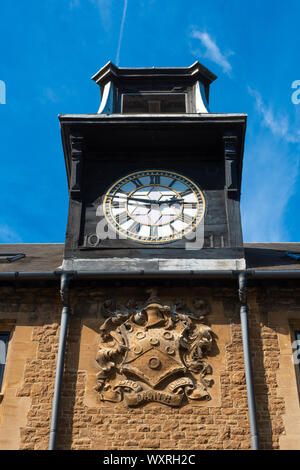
(247, 360)
(64, 292)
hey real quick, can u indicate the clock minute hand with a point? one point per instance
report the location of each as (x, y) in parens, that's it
(148, 201)
(151, 201)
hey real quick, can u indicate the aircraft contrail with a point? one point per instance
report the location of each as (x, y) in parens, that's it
(121, 32)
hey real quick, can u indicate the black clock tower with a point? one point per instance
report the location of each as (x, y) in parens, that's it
(154, 177)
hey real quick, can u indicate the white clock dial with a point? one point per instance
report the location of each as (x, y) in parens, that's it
(154, 206)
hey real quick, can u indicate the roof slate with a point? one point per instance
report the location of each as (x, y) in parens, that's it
(38, 257)
(271, 256)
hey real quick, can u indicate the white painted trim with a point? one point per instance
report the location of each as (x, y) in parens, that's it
(155, 264)
(201, 103)
(106, 106)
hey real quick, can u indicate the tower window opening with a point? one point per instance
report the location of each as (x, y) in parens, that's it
(153, 103)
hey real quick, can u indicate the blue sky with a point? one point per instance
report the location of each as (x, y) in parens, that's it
(51, 48)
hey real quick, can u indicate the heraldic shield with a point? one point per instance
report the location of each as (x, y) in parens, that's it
(154, 354)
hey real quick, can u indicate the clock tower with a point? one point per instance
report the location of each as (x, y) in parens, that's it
(154, 177)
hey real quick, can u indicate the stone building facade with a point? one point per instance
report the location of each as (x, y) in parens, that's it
(31, 312)
(112, 344)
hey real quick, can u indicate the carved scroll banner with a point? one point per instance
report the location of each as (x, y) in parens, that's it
(154, 353)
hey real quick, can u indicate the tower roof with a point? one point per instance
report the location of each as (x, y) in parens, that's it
(194, 72)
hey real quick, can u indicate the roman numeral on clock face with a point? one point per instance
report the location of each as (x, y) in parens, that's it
(121, 191)
(118, 204)
(153, 231)
(171, 228)
(186, 218)
(172, 183)
(190, 205)
(134, 228)
(122, 218)
(137, 182)
(154, 179)
(186, 192)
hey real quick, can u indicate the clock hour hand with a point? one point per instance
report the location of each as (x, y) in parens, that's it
(174, 199)
(147, 201)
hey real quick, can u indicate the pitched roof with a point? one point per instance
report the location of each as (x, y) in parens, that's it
(49, 256)
(271, 256)
(38, 257)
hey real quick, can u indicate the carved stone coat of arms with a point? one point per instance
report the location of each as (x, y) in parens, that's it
(153, 354)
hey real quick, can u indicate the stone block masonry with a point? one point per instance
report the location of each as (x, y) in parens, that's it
(88, 423)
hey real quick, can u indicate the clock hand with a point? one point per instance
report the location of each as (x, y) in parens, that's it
(170, 201)
(149, 201)
(174, 199)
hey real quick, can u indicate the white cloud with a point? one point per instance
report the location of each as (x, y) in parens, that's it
(50, 95)
(277, 123)
(270, 175)
(47, 95)
(212, 51)
(74, 4)
(271, 171)
(105, 11)
(8, 235)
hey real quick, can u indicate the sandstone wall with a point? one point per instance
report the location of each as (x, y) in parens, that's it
(33, 315)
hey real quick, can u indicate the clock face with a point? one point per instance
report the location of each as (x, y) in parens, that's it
(154, 206)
